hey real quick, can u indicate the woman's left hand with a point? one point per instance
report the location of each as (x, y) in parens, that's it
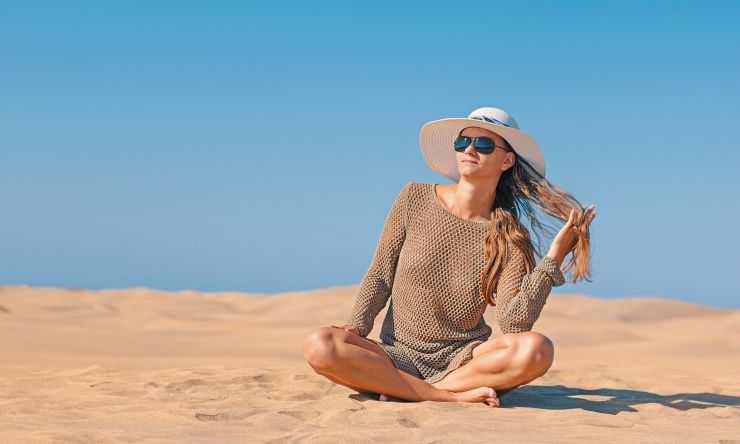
(567, 238)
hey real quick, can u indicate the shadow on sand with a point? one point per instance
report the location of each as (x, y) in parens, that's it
(612, 401)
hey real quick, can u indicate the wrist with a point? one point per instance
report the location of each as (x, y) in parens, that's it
(555, 256)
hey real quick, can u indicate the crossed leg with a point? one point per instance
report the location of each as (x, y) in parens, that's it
(504, 363)
(360, 364)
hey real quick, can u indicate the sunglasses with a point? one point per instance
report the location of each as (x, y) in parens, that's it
(484, 145)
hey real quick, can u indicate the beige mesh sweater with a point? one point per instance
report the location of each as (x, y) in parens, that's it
(428, 263)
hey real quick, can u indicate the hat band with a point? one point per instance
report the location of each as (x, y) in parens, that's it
(490, 120)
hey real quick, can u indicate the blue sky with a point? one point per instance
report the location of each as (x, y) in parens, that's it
(257, 147)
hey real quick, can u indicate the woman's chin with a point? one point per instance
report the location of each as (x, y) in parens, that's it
(468, 167)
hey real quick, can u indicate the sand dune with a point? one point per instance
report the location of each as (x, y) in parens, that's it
(140, 365)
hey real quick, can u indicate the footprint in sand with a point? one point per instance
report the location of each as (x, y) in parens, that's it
(304, 397)
(185, 385)
(216, 417)
(303, 415)
(229, 416)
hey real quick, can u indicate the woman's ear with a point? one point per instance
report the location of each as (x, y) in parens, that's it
(509, 161)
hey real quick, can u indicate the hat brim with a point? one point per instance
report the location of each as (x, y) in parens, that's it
(437, 137)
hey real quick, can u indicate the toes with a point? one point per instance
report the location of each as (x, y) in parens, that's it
(383, 397)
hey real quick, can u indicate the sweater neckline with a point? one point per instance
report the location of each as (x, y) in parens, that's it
(449, 214)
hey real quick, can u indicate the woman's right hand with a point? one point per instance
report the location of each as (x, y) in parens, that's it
(350, 328)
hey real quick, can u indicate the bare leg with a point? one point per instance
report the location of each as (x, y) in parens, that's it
(342, 382)
(504, 362)
(362, 365)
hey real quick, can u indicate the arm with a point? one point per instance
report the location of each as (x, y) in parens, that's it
(520, 297)
(376, 286)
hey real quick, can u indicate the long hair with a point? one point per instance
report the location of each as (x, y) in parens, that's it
(520, 189)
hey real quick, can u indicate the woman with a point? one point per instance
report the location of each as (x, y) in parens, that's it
(447, 252)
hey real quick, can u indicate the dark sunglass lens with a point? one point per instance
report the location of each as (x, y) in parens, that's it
(484, 145)
(461, 143)
(484, 142)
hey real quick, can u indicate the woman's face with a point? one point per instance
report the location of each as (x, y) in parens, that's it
(472, 163)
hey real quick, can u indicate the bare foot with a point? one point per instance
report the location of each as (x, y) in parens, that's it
(485, 395)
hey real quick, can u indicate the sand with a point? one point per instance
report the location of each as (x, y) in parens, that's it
(139, 365)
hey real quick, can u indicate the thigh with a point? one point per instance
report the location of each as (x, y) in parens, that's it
(345, 336)
(389, 353)
(501, 341)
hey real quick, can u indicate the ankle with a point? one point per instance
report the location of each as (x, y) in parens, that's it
(447, 396)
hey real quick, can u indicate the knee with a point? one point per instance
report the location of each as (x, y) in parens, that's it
(319, 348)
(537, 352)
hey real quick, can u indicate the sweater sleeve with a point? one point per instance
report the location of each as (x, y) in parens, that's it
(377, 283)
(520, 297)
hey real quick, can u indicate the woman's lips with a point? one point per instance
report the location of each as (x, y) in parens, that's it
(471, 161)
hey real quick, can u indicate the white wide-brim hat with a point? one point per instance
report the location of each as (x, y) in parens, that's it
(438, 136)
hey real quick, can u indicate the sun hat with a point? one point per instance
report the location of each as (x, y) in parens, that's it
(437, 138)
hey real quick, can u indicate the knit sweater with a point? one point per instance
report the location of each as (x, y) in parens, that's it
(428, 263)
